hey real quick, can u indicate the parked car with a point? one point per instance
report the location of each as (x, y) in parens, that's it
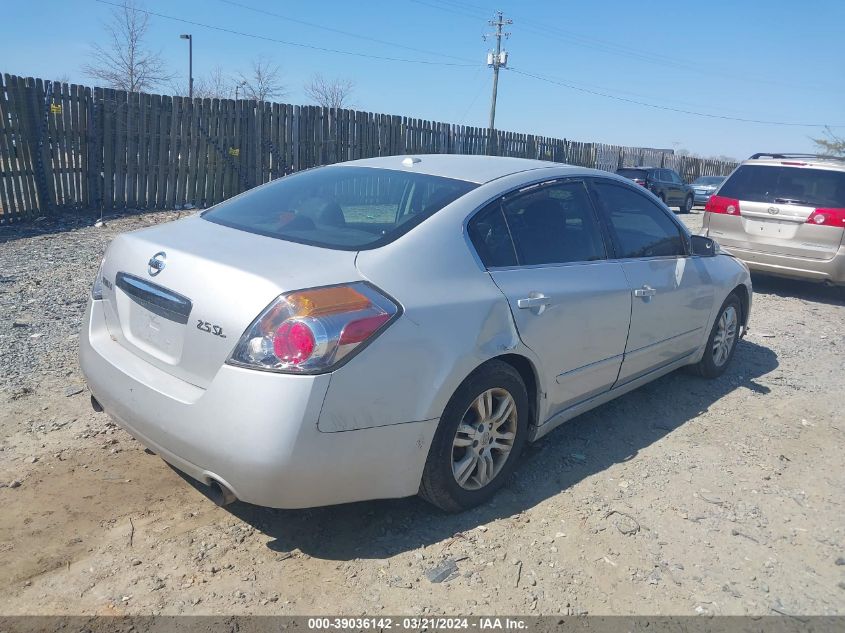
(783, 214)
(389, 326)
(705, 186)
(666, 184)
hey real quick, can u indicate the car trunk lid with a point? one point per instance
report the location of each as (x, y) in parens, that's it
(186, 313)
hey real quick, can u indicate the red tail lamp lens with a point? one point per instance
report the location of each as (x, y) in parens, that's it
(360, 330)
(828, 217)
(293, 342)
(720, 204)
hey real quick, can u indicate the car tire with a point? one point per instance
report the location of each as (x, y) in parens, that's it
(723, 339)
(662, 197)
(688, 204)
(456, 453)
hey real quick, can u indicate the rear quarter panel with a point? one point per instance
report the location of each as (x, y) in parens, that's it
(455, 318)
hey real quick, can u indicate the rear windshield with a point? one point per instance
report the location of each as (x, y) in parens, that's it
(708, 180)
(346, 208)
(632, 173)
(787, 185)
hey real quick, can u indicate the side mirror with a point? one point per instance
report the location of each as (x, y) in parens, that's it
(703, 246)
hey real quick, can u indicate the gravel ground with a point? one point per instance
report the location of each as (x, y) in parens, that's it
(684, 497)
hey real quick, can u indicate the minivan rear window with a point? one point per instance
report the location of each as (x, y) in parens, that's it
(345, 208)
(787, 185)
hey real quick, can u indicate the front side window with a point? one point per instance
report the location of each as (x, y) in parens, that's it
(550, 224)
(639, 227)
(347, 208)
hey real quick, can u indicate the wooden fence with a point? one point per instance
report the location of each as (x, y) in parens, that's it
(65, 147)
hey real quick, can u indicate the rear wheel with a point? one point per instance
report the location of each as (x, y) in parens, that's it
(481, 434)
(662, 197)
(722, 341)
(687, 206)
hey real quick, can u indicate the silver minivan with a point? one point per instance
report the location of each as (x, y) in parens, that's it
(784, 215)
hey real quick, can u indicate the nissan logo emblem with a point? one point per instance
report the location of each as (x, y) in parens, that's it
(157, 263)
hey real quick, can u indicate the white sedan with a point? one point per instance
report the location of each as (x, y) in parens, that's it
(402, 325)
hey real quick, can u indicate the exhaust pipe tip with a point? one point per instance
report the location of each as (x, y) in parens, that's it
(96, 405)
(220, 494)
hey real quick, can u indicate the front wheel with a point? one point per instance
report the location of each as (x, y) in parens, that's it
(687, 207)
(722, 341)
(480, 436)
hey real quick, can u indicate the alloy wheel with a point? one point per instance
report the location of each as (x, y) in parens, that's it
(725, 336)
(484, 439)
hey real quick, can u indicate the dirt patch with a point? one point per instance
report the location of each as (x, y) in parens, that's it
(686, 496)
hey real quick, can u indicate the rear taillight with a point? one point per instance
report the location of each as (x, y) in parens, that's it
(827, 217)
(312, 331)
(640, 182)
(97, 286)
(720, 204)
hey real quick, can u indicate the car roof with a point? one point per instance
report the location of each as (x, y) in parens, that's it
(797, 160)
(471, 168)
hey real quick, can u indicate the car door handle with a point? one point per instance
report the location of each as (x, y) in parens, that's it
(645, 291)
(533, 302)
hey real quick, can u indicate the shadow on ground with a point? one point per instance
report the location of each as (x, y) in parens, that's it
(584, 446)
(798, 289)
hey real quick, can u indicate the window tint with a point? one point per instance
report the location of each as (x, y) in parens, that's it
(676, 178)
(640, 228)
(796, 185)
(554, 224)
(340, 207)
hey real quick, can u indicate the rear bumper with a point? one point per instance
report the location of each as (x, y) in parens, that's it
(822, 270)
(255, 432)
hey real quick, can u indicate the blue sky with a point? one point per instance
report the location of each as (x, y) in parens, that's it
(765, 60)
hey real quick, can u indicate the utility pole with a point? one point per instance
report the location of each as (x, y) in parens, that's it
(497, 60)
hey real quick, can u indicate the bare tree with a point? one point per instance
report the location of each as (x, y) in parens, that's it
(830, 144)
(125, 62)
(264, 82)
(214, 85)
(335, 93)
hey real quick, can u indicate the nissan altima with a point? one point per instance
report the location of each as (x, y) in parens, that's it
(397, 326)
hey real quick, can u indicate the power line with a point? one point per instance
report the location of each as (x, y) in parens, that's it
(607, 95)
(287, 42)
(612, 48)
(341, 32)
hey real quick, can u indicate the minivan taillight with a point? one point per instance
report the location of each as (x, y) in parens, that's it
(315, 330)
(720, 204)
(828, 217)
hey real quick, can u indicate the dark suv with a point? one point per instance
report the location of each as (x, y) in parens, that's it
(666, 184)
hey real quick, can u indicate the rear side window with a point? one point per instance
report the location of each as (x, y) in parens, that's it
(552, 224)
(786, 185)
(640, 228)
(491, 237)
(347, 208)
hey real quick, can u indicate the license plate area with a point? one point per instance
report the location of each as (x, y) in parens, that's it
(765, 227)
(152, 318)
